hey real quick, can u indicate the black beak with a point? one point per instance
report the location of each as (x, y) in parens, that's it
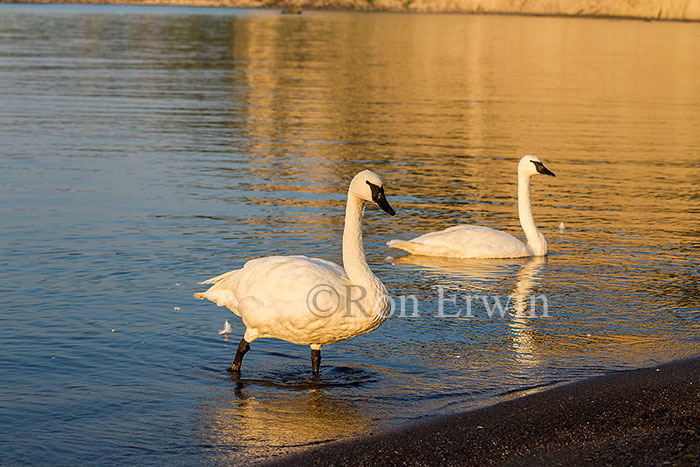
(379, 198)
(542, 169)
(384, 204)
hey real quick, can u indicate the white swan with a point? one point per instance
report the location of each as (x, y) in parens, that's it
(309, 301)
(472, 241)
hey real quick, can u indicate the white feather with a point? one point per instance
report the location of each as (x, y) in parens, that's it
(226, 330)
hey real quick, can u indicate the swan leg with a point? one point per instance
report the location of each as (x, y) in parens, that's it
(315, 359)
(243, 347)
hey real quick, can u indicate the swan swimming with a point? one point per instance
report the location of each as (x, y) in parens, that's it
(309, 301)
(472, 241)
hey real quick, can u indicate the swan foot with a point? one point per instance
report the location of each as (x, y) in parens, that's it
(315, 360)
(235, 368)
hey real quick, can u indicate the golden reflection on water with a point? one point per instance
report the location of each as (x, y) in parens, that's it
(444, 118)
(251, 426)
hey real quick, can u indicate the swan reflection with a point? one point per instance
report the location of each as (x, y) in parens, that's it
(526, 310)
(479, 275)
(482, 278)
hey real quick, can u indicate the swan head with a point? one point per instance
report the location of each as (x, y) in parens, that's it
(532, 165)
(367, 186)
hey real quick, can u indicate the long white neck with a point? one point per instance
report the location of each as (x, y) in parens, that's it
(354, 262)
(535, 239)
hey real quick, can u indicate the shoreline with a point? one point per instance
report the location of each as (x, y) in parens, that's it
(647, 416)
(650, 10)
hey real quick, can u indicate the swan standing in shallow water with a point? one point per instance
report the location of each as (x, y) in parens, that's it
(472, 241)
(309, 301)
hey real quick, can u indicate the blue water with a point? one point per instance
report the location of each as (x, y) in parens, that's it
(146, 149)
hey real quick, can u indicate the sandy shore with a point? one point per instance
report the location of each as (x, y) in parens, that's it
(643, 417)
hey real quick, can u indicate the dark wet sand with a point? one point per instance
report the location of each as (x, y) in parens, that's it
(641, 417)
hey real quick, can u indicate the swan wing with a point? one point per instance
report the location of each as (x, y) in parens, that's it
(466, 241)
(273, 279)
(272, 296)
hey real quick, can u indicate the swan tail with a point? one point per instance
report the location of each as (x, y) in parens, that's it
(422, 249)
(216, 279)
(409, 246)
(405, 245)
(220, 292)
(221, 297)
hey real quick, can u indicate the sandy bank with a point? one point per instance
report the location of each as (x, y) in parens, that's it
(643, 417)
(688, 10)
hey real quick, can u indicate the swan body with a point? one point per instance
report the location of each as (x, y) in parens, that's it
(309, 301)
(465, 241)
(270, 295)
(471, 241)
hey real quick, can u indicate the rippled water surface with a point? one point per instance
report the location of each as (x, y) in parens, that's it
(146, 149)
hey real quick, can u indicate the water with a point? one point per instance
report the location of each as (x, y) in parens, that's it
(146, 149)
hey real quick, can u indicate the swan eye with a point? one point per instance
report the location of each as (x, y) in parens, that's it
(377, 191)
(379, 198)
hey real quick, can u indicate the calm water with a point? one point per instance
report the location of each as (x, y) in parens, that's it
(146, 149)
